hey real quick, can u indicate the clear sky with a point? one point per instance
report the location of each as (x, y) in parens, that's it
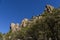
(16, 10)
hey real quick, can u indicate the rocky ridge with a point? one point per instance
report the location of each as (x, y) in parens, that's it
(27, 23)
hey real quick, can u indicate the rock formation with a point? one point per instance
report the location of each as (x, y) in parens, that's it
(24, 22)
(49, 8)
(14, 27)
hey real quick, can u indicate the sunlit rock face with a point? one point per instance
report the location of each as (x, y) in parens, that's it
(49, 8)
(25, 22)
(14, 27)
(17, 27)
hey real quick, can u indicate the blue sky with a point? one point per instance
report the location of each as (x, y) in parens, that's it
(16, 10)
